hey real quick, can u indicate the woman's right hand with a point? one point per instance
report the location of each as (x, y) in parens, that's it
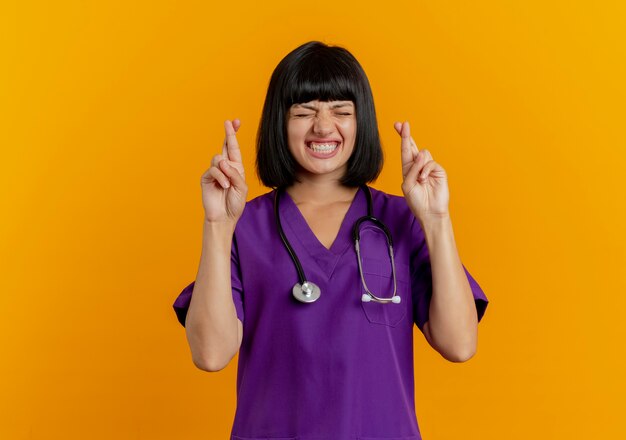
(224, 188)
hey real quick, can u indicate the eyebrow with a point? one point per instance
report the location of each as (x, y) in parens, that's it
(312, 107)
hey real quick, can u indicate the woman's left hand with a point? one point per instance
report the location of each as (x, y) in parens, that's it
(425, 182)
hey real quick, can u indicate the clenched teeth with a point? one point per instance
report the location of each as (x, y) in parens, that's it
(323, 147)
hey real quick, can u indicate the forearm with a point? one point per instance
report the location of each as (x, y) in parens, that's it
(211, 323)
(452, 323)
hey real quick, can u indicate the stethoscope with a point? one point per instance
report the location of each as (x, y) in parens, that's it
(307, 291)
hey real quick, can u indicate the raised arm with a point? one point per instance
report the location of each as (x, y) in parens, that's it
(214, 332)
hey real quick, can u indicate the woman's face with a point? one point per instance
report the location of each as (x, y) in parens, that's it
(321, 136)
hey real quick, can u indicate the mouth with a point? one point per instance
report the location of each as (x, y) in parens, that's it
(323, 148)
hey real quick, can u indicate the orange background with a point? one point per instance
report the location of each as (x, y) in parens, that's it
(111, 112)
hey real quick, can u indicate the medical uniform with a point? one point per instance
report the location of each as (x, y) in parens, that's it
(337, 368)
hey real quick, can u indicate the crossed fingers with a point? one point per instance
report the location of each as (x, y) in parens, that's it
(230, 148)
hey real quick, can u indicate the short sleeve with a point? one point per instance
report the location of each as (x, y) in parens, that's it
(422, 283)
(181, 305)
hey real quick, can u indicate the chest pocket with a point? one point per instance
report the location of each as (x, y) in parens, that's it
(379, 280)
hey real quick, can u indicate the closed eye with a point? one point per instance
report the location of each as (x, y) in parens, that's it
(310, 114)
(341, 114)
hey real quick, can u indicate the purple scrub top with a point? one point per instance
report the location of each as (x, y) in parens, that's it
(337, 368)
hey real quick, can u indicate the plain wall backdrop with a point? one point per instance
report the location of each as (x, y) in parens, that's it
(111, 111)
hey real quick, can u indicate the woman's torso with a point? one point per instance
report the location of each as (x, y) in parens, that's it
(337, 368)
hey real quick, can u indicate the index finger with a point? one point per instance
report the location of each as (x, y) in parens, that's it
(236, 124)
(408, 148)
(414, 149)
(231, 146)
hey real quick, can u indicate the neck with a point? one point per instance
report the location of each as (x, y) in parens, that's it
(320, 192)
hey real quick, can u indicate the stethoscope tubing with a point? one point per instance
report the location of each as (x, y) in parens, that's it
(307, 291)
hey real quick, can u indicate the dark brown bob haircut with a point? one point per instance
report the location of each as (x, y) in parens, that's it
(312, 71)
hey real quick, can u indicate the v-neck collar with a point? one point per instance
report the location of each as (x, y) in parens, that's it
(326, 259)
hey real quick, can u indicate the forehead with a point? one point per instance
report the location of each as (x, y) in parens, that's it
(317, 103)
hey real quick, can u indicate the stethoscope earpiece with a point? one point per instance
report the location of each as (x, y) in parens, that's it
(367, 298)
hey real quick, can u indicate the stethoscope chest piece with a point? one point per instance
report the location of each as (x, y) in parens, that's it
(307, 292)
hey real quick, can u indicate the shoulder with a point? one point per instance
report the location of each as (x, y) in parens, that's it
(257, 212)
(385, 197)
(393, 210)
(390, 205)
(260, 203)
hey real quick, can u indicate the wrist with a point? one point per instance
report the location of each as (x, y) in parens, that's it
(435, 223)
(218, 233)
(219, 225)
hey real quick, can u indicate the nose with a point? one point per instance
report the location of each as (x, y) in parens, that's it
(323, 123)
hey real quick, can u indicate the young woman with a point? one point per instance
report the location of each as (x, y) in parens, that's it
(326, 346)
